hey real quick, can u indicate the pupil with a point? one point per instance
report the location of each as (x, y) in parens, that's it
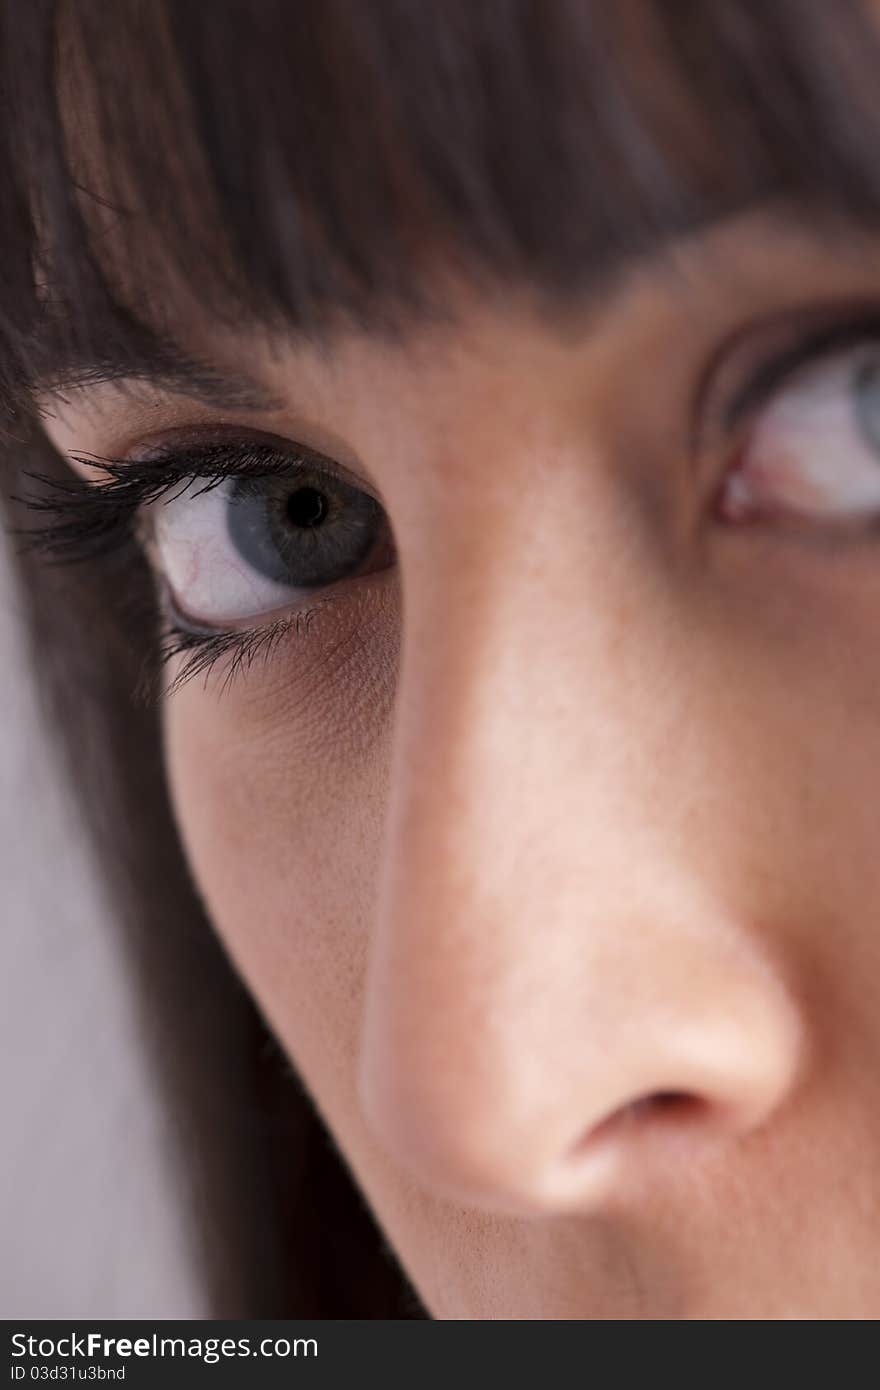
(306, 507)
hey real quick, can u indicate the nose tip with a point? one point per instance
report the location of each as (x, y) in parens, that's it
(528, 1145)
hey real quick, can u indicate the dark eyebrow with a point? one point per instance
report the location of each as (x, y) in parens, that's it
(169, 368)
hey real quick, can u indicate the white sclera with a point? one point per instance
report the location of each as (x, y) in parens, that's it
(208, 578)
(808, 453)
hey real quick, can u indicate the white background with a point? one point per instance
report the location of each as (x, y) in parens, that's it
(89, 1225)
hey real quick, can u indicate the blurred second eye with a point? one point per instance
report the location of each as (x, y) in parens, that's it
(813, 451)
(250, 546)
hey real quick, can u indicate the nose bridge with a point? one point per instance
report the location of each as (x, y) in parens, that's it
(542, 957)
(511, 736)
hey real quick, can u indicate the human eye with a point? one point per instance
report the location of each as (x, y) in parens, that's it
(246, 538)
(807, 429)
(251, 532)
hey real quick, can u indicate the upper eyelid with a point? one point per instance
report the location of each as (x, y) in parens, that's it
(195, 443)
(831, 338)
(759, 357)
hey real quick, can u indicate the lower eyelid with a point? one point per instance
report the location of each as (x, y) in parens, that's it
(229, 655)
(309, 606)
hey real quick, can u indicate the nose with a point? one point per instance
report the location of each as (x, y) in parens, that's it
(562, 992)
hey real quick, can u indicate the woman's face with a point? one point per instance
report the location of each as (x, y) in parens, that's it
(549, 847)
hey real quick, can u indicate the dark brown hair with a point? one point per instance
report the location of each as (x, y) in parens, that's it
(294, 163)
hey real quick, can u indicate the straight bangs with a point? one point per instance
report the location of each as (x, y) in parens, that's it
(295, 165)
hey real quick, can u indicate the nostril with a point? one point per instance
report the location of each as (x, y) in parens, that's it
(669, 1105)
(660, 1108)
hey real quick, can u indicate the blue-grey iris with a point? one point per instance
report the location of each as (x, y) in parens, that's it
(304, 532)
(867, 401)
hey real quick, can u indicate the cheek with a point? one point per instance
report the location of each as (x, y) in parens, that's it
(279, 787)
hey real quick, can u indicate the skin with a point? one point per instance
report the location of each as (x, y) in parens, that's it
(550, 853)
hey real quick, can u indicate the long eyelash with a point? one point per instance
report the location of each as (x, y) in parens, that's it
(87, 521)
(81, 521)
(246, 647)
